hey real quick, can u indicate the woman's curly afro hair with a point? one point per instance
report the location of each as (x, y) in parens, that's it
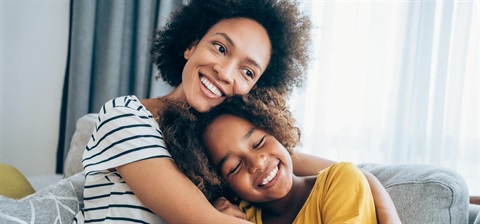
(183, 130)
(286, 26)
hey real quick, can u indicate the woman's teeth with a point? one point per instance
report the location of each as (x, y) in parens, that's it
(270, 176)
(210, 86)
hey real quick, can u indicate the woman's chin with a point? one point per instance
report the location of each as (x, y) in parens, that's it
(203, 106)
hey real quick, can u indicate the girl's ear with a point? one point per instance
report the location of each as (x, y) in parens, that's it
(189, 51)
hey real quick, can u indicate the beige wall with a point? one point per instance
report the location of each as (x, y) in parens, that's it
(34, 44)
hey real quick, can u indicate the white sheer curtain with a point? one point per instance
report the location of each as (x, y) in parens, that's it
(394, 82)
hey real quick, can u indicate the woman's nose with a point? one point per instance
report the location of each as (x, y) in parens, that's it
(257, 162)
(225, 71)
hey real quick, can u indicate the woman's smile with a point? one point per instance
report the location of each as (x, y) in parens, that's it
(209, 88)
(227, 61)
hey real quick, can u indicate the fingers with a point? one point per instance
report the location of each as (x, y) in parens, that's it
(224, 206)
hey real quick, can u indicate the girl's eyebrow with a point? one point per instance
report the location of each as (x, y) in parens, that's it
(249, 133)
(230, 41)
(222, 161)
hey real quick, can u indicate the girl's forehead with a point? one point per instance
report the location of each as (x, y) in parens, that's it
(229, 120)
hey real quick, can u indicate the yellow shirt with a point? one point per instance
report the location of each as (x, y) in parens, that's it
(341, 194)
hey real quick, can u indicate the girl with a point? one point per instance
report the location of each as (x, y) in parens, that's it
(239, 137)
(209, 50)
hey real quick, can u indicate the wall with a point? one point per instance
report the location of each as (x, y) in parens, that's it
(34, 45)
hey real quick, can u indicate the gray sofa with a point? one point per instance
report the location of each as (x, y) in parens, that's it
(421, 194)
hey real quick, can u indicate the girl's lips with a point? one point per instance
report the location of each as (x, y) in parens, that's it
(273, 181)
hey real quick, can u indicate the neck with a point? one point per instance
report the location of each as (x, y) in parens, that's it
(178, 94)
(157, 105)
(291, 204)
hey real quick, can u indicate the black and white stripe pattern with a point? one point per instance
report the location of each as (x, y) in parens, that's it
(126, 132)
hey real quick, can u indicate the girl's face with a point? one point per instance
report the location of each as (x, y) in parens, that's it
(227, 61)
(255, 165)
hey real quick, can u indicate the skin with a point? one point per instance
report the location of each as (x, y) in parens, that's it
(225, 65)
(246, 156)
(231, 56)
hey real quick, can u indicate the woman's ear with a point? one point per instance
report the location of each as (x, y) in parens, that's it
(189, 51)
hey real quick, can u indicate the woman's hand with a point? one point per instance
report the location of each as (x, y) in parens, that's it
(306, 165)
(223, 205)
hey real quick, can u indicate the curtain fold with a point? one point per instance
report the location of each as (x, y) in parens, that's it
(394, 83)
(109, 56)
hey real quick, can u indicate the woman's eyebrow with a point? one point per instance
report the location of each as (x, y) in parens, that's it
(230, 41)
(227, 38)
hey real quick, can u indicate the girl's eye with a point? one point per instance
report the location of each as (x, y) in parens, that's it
(260, 143)
(248, 73)
(234, 169)
(220, 48)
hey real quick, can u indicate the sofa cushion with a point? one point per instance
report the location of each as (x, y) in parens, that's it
(57, 203)
(424, 194)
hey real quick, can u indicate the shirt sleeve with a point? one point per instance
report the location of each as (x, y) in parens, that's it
(123, 134)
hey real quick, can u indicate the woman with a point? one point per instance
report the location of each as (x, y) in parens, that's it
(209, 50)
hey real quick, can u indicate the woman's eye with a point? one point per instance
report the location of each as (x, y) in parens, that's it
(248, 73)
(259, 143)
(220, 48)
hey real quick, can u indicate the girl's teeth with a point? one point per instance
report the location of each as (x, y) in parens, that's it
(270, 176)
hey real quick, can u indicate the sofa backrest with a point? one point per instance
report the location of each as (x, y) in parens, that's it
(84, 129)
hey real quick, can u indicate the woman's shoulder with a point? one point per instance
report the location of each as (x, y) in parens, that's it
(130, 101)
(122, 107)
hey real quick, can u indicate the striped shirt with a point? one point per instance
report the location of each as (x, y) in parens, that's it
(125, 132)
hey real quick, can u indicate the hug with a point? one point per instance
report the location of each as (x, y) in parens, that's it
(220, 147)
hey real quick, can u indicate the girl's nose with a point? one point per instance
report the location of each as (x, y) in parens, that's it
(257, 162)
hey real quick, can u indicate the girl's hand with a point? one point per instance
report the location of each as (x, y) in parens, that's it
(224, 206)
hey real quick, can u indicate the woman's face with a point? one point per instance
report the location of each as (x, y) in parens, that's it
(227, 61)
(255, 165)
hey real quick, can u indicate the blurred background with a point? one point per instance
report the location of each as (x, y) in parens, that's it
(392, 82)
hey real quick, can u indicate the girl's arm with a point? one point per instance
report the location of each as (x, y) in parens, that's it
(167, 192)
(304, 165)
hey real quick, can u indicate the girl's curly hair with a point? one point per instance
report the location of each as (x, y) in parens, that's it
(287, 28)
(183, 130)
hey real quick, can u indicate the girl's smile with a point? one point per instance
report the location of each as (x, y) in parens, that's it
(254, 164)
(270, 179)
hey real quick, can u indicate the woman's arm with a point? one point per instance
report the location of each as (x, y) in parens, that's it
(386, 211)
(308, 165)
(162, 188)
(304, 165)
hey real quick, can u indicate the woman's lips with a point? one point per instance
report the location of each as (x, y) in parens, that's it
(212, 90)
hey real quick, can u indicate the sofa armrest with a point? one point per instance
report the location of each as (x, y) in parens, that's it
(84, 129)
(424, 194)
